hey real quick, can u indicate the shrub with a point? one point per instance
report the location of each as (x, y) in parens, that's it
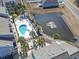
(57, 36)
(14, 8)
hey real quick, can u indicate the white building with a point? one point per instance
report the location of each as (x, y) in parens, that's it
(57, 50)
(72, 50)
(52, 51)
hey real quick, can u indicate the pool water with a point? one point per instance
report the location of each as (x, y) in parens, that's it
(23, 29)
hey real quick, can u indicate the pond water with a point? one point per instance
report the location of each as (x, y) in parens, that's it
(46, 21)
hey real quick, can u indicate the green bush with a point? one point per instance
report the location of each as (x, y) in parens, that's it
(57, 36)
(14, 8)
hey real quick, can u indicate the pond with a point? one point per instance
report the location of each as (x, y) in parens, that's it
(54, 23)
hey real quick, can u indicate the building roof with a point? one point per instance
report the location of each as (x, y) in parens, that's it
(6, 47)
(4, 26)
(48, 52)
(69, 48)
(55, 49)
(5, 50)
(5, 43)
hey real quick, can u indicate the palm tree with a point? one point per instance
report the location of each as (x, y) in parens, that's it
(20, 9)
(40, 41)
(77, 1)
(32, 33)
(27, 5)
(14, 8)
(24, 45)
(38, 28)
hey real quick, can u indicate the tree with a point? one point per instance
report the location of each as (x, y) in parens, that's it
(40, 41)
(57, 36)
(38, 28)
(26, 4)
(14, 8)
(32, 33)
(24, 45)
(77, 1)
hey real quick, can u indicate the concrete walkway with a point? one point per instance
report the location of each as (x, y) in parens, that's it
(48, 39)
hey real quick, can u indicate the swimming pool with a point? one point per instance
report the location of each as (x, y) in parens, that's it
(23, 29)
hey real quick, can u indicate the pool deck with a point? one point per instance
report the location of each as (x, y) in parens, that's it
(26, 23)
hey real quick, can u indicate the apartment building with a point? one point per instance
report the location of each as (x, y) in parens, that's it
(7, 49)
